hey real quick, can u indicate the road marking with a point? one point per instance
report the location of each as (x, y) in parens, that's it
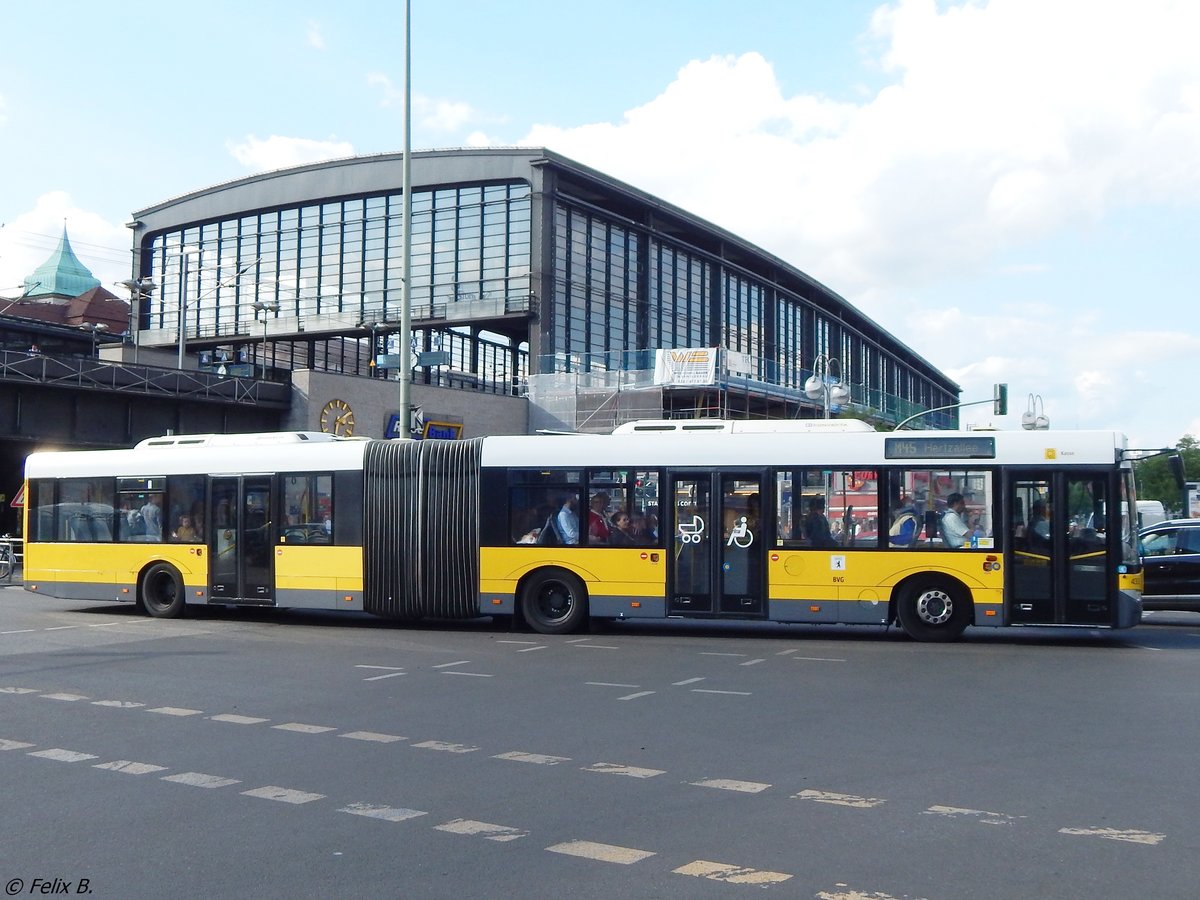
(817, 659)
(471, 674)
(753, 662)
(70, 698)
(304, 729)
(732, 874)
(59, 755)
(787, 652)
(535, 758)
(17, 690)
(119, 704)
(381, 677)
(13, 745)
(711, 653)
(175, 711)
(386, 813)
(446, 748)
(635, 696)
(372, 736)
(388, 668)
(526, 642)
(578, 641)
(839, 799)
(200, 780)
(20, 631)
(392, 671)
(238, 720)
(685, 681)
(60, 628)
(596, 646)
(530, 649)
(461, 662)
(1133, 836)
(283, 795)
(602, 852)
(853, 895)
(726, 784)
(730, 693)
(610, 684)
(482, 829)
(129, 767)
(981, 815)
(631, 771)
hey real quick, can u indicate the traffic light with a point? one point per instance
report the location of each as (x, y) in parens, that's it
(1000, 400)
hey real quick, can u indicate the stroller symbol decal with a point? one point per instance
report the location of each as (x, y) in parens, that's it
(691, 532)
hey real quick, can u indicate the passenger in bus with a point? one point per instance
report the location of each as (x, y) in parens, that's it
(152, 516)
(184, 531)
(954, 527)
(1038, 532)
(906, 526)
(598, 529)
(621, 534)
(566, 522)
(816, 526)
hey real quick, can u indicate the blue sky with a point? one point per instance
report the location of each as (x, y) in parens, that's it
(1010, 187)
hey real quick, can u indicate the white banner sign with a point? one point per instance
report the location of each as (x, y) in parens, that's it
(696, 366)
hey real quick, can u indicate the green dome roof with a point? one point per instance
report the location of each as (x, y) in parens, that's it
(62, 274)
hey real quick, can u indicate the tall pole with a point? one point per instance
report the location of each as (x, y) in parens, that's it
(406, 235)
(183, 305)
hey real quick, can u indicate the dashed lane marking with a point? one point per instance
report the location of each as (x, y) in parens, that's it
(13, 745)
(372, 736)
(461, 662)
(714, 653)
(119, 704)
(200, 780)
(69, 698)
(817, 659)
(980, 815)
(1133, 836)
(610, 684)
(529, 649)
(283, 795)
(386, 813)
(59, 755)
(392, 672)
(597, 646)
(175, 711)
(839, 799)
(59, 627)
(445, 747)
(727, 784)
(238, 720)
(471, 674)
(20, 631)
(729, 693)
(631, 771)
(482, 829)
(787, 652)
(19, 690)
(733, 874)
(304, 729)
(685, 681)
(752, 662)
(624, 856)
(539, 759)
(850, 894)
(129, 767)
(636, 695)
(525, 642)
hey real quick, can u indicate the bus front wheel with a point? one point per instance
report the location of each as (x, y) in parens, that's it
(554, 602)
(162, 591)
(933, 610)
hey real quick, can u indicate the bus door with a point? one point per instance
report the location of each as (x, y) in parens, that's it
(1059, 567)
(717, 544)
(240, 538)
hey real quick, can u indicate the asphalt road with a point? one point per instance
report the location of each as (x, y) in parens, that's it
(234, 754)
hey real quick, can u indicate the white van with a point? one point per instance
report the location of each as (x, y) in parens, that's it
(1150, 512)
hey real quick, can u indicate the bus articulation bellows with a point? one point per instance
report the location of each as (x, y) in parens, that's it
(796, 522)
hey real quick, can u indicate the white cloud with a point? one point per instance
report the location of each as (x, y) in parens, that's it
(278, 152)
(315, 38)
(27, 241)
(431, 113)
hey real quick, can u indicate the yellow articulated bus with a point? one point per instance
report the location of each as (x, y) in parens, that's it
(797, 522)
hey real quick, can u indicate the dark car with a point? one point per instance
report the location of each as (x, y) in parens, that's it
(1171, 560)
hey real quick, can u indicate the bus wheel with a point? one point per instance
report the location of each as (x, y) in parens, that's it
(554, 602)
(933, 610)
(162, 591)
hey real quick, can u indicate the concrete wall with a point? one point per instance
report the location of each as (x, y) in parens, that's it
(375, 400)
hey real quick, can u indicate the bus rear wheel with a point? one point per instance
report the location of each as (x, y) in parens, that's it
(933, 610)
(554, 601)
(162, 591)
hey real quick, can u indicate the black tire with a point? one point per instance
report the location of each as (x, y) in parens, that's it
(554, 602)
(932, 609)
(161, 592)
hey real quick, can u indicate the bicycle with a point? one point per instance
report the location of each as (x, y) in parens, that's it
(8, 560)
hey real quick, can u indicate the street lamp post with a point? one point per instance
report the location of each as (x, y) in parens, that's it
(823, 385)
(139, 290)
(184, 253)
(264, 307)
(1034, 418)
(96, 328)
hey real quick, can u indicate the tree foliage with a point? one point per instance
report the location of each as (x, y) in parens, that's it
(1155, 481)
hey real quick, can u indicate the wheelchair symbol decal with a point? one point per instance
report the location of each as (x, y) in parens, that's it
(740, 535)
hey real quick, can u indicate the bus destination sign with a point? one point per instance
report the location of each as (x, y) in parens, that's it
(939, 448)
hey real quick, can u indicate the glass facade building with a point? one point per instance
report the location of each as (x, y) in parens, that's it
(523, 263)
